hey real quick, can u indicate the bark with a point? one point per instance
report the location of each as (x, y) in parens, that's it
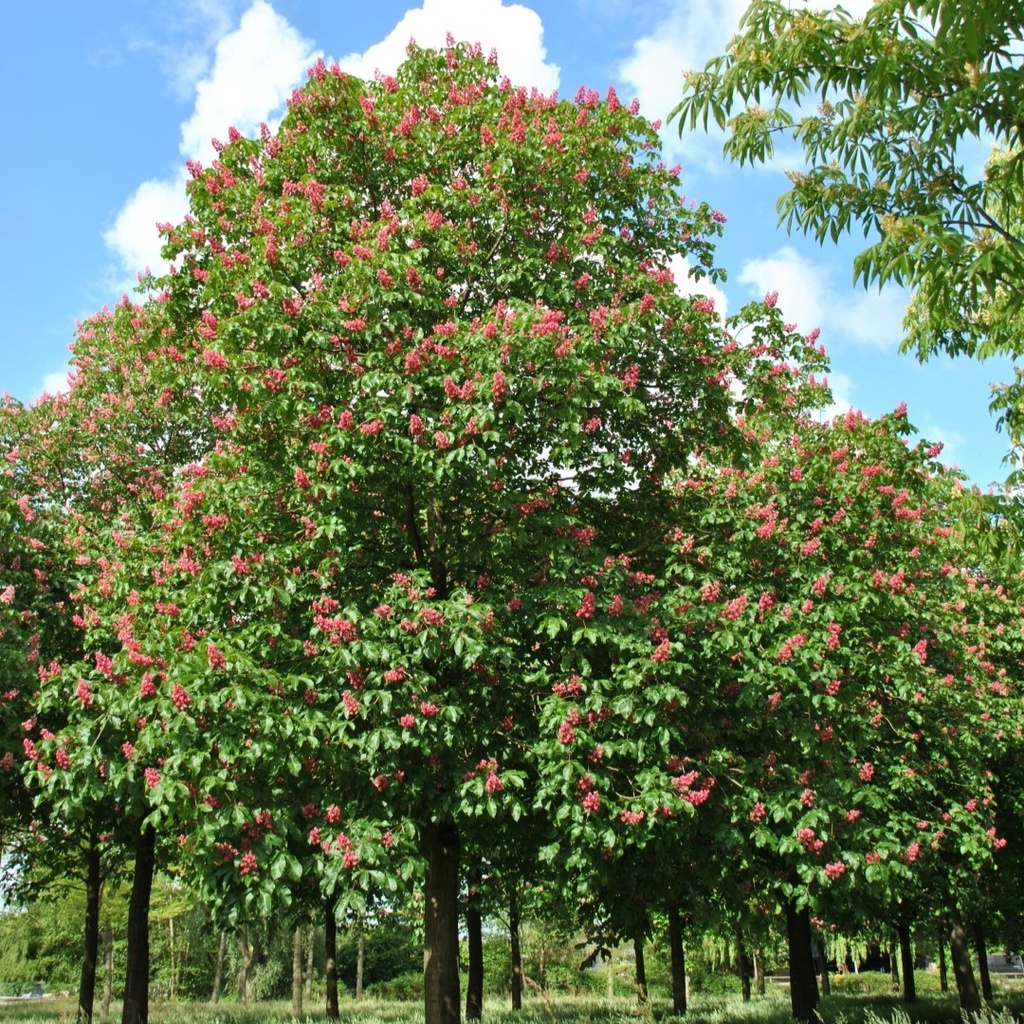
(90, 953)
(982, 954)
(475, 948)
(943, 970)
(516, 951)
(742, 969)
(894, 967)
(758, 973)
(826, 983)
(170, 939)
(135, 1008)
(640, 969)
(360, 957)
(966, 986)
(248, 959)
(441, 924)
(308, 991)
(218, 974)
(108, 966)
(803, 985)
(297, 972)
(331, 960)
(678, 961)
(907, 961)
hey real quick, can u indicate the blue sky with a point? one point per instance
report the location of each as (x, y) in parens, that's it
(107, 100)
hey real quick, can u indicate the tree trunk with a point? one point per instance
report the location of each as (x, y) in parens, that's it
(640, 970)
(331, 960)
(678, 961)
(741, 966)
(441, 924)
(516, 952)
(967, 988)
(360, 959)
(297, 972)
(758, 973)
(803, 986)
(826, 982)
(248, 957)
(943, 970)
(894, 967)
(218, 973)
(135, 1008)
(475, 947)
(90, 954)
(982, 954)
(108, 965)
(907, 961)
(170, 940)
(308, 992)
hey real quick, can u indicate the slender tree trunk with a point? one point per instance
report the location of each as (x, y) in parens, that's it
(108, 965)
(331, 960)
(475, 947)
(826, 982)
(943, 970)
(309, 964)
(90, 954)
(758, 973)
(170, 939)
(297, 972)
(803, 986)
(248, 953)
(218, 974)
(360, 959)
(907, 961)
(982, 953)
(966, 986)
(441, 925)
(742, 970)
(640, 969)
(611, 974)
(678, 961)
(894, 966)
(516, 951)
(135, 1009)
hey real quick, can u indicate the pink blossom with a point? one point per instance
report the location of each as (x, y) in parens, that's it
(757, 812)
(494, 784)
(834, 870)
(152, 777)
(248, 865)
(407, 721)
(214, 657)
(591, 801)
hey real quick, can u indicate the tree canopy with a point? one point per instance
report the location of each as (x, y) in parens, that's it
(891, 112)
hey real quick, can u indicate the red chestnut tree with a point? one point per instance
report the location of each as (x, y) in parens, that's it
(451, 367)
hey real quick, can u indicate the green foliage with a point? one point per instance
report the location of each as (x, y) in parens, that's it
(902, 95)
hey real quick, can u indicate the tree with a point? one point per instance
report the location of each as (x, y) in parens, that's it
(428, 339)
(901, 94)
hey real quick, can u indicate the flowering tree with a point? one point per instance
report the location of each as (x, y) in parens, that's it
(426, 366)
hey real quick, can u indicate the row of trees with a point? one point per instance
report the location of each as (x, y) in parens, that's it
(417, 528)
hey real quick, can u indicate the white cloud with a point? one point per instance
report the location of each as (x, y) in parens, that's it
(253, 71)
(809, 298)
(514, 31)
(55, 383)
(691, 35)
(687, 285)
(685, 40)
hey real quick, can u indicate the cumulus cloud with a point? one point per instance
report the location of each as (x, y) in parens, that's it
(684, 40)
(514, 31)
(253, 70)
(810, 298)
(687, 285)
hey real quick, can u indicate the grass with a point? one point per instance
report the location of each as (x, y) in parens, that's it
(773, 1008)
